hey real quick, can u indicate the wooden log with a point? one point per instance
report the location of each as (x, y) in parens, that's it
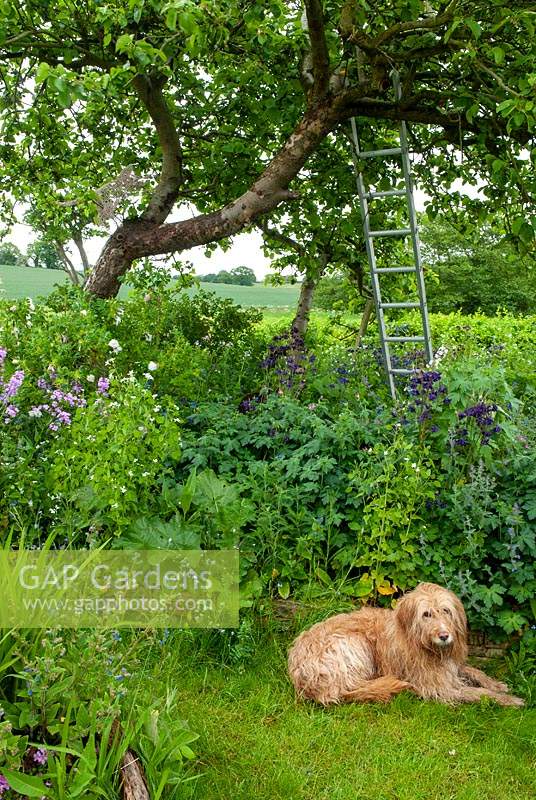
(133, 783)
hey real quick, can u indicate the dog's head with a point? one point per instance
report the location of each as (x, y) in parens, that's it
(434, 617)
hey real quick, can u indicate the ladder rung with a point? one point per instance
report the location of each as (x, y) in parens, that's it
(398, 371)
(395, 269)
(404, 338)
(399, 305)
(388, 151)
(389, 193)
(401, 232)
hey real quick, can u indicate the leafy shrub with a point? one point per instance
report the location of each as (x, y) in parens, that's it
(66, 693)
(372, 502)
(164, 421)
(477, 270)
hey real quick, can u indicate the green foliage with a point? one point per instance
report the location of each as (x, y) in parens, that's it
(42, 254)
(97, 418)
(73, 99)
(165, 417)
(71, 712)
(10, 254)
(239, 276)
(338, 294)
(476, 269)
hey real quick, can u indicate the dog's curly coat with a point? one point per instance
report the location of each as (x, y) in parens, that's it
(373, 654)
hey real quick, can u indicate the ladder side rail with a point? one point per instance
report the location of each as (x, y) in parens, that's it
(419, 274)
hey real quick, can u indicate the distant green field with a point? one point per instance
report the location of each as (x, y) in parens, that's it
(16, 282)
(258, 295)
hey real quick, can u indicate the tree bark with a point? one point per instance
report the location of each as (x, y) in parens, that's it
(365, 319)
(305, 303)
(141, 237)
(301, 320)
(68, 265)
(79, 242)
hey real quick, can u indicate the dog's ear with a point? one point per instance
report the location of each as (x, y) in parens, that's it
(405, 611)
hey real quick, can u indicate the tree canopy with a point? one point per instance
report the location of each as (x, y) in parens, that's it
(10, 254)
(231, 110)
(238, 276)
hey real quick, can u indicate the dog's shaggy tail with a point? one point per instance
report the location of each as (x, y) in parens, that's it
(379, 690)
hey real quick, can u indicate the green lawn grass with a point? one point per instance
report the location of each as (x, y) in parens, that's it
(257, 741)
(16, 282)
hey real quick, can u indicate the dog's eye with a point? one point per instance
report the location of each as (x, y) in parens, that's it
(447, 611)
(427, 614)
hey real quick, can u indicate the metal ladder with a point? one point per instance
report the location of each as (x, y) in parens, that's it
(411, 231)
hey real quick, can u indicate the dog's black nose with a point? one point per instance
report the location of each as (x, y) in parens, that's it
(444, 637)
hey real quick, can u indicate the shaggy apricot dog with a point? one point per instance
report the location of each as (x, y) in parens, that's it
(373, 654)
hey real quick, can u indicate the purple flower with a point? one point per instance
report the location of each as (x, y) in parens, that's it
(12, 386)
(63, 417)
(482, 413)
(103, 385)
(11, 412)
(40, 756)
(3, 354)
(4, 785)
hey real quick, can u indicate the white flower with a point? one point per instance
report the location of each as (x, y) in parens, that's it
(84, 312)
(151, 366)
(34, 412)
(114, 345)
(90, 379)
(148, 337)
(148, 376)
(12, 308)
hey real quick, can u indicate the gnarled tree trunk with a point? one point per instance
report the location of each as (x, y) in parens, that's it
(143, 237)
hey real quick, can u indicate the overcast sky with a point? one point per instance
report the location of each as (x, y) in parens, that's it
(245, 251)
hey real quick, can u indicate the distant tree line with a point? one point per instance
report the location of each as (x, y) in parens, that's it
(39, 255)
(239, 276)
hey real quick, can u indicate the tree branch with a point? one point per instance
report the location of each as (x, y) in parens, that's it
(277, 236)
(319, 48)
(497, 79)
(150, 92)
(79, 242)
(429, 23)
